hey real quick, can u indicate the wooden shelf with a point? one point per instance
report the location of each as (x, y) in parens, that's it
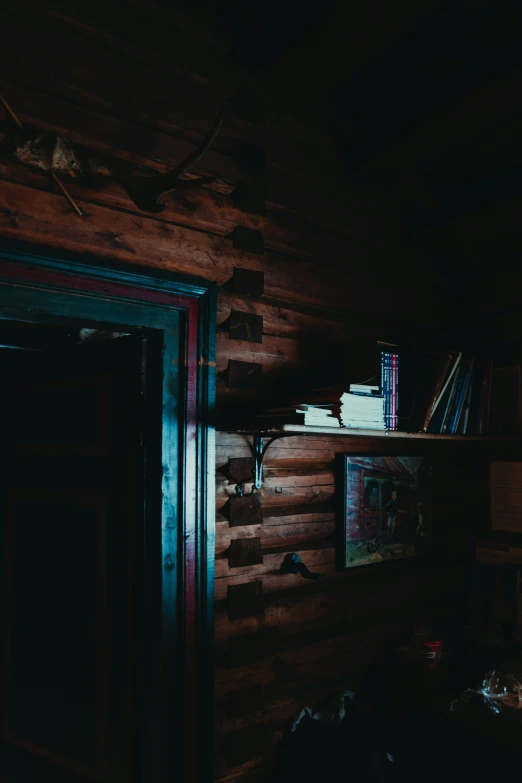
(259, 447)
(353, 432)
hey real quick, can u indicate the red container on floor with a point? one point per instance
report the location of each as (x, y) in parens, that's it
(431, 651)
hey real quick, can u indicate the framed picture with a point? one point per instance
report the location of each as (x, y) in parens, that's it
(386, 508)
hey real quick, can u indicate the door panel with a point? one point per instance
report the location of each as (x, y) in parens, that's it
(55, 675)
(73, 511)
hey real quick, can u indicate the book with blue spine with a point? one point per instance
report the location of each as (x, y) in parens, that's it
(450, 406)
(463, 427)
(459, 397)
(457, 423)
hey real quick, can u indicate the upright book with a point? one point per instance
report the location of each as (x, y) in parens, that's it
(450, 363)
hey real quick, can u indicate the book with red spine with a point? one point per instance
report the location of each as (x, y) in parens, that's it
(393, 417)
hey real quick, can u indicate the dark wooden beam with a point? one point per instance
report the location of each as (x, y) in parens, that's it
(245, 511)
(245, 552)
(246, 326)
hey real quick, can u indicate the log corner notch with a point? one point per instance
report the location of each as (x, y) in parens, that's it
(244, 375)
(245, 552)
(240, 469)
(244, 511)
(249, 197)
(245, 326)
(248, 282)
(248, 240)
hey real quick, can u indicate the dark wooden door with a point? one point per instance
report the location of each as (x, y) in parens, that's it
(72, 493)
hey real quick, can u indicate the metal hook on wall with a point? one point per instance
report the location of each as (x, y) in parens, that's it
(292, 564)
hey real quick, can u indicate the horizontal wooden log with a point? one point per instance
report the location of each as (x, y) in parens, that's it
(273, 536)
(282, 652)
(288, 678)
(204, 210)
(279, 322)
(200, 208)
(150, 148)
(144, 102)
(254, 656)
(272, 353)
(271, 562)
(328, 604)
(29, 214)
(111, 136)
(271, 496)
(140, 238)
(286, 484)
(278, 581)
(248, 773)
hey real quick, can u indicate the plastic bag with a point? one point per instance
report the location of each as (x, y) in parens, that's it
(332, 712)
(499, 690)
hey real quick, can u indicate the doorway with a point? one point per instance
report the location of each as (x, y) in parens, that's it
(106, 535)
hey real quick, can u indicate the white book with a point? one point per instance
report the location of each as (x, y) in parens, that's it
(363, 418)
(320, 407)
(320, 414)
(356, 426)
(375, 408)
(363, 402)
(354, 399)
(334, 423)
(322, 421)
(363, 423)
(361, 394)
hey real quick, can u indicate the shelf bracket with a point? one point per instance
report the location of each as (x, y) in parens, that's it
(259, 448)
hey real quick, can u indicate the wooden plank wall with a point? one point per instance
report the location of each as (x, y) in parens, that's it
(309, 639)
(331, 270)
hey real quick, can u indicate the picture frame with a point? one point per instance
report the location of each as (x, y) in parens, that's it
(385, 508)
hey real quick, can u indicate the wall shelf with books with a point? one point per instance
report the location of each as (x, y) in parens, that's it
(281, 430)
(444, 394)
(263, 438)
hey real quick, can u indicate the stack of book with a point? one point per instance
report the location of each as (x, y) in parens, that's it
(318, 416)
(363, 406)
(307, 414)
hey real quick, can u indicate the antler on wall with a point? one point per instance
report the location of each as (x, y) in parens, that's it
(54, 154)
(145, 191)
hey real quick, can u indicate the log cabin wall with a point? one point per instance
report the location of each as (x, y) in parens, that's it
(332, 268)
